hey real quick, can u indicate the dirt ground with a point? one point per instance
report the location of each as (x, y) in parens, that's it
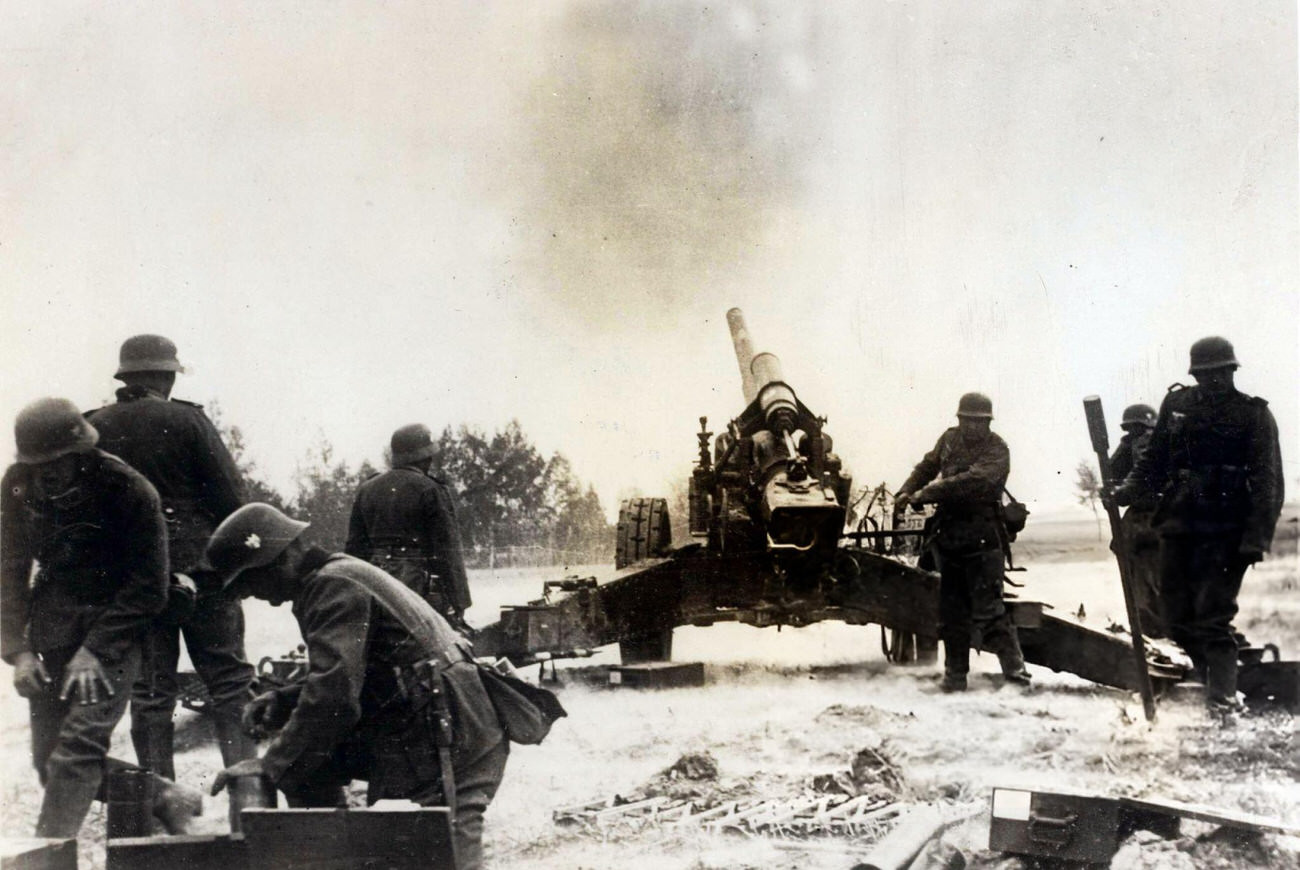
(784, 715)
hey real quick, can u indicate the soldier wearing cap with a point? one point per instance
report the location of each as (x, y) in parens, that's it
(964, 476)
(94, 527)
(404, 521)
(175, 446)
(1141, 543)
(392, 695)
(1215, 463)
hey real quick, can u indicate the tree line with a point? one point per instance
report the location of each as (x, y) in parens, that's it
(514, 506)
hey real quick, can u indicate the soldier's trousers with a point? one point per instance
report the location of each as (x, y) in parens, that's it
(971, 609)
(70, 743)
(214, 638)
(1199, 581)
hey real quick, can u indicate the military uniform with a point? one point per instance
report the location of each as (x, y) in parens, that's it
(1141, 543)
(967, 544)
(357, 715)
(102, 552)
(404, 521)
(177, 448)
(1216, 464)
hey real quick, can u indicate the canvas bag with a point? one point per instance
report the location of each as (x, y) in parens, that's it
(526, 711)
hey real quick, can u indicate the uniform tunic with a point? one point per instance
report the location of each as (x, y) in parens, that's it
(102, 552)
(967, 545)
(404, 521)
(1141, 543)
(351, 720)
(1216, 464)
(177, 448)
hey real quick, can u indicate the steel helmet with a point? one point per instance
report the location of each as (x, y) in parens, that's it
(1213, 352)
(147, 353)
(411, 444)
(1141, 415)
(253, 536)
(48, 428)
(975, 405)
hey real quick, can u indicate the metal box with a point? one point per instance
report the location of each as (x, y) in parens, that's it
(1080, 827)
(31, 853)
(190, 852)
(344, 839)
(657, 675)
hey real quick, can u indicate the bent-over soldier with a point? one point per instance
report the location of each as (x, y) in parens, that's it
(1141, 543)
(392, 694)
(964, 476)
(72, 634)
(404, 521)
(176, 447)
(1215, 462)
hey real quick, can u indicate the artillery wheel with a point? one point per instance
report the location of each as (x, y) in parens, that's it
(643, 531)
(656, 646)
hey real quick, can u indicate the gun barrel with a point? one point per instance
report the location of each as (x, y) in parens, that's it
(744, 352)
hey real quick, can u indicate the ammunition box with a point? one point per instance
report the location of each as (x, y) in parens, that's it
(336, 839)
(30, 853)
(210, 852)
(657, 675)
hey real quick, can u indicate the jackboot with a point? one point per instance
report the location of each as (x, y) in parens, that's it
(153, 741)
(956, 664)
(175, 805)
(1221, 678)
(1012, 662)
(64, 806)
(236, 746)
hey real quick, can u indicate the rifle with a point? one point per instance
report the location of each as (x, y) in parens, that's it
(1101, 444)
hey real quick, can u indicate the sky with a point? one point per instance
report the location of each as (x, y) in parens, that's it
(355, 215)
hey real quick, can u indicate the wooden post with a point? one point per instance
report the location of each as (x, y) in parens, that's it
(1101, 445)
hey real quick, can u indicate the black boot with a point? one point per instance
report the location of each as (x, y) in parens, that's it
(956, 664)
(236, 746)
(1221, 679)
(64, 806)
(152, 739)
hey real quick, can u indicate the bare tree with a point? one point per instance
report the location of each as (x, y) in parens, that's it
(1087, 487)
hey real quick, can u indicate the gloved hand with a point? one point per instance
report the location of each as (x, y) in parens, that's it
(247, 767)
(264, 714)
(1122, 495)
(30, 676)
(86, 678)
(918, 499)
(1250, 553)
(901, 501)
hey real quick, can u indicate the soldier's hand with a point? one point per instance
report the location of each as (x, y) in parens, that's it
(918, 499)
(86, 678)
(264, 714)
(1122, 495)
(901, 501)
(247, 767)
(30, 676)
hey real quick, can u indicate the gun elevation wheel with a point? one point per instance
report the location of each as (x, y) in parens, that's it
(643, 531)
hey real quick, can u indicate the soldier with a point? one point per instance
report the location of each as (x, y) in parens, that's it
(365, 710)
(1141, 543)
(174, 445)
(1215, 462)
(969, 541)
(94, 527)
(404, 522)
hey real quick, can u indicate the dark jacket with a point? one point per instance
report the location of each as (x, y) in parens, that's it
(103, 561)
(177, 448)
(359, 624)
(968, 490)
(405, 522)
(1216, 464)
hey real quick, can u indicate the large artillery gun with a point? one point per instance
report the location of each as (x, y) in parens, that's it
(768, 506)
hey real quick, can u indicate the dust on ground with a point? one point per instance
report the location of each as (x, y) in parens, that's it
(809, 710)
